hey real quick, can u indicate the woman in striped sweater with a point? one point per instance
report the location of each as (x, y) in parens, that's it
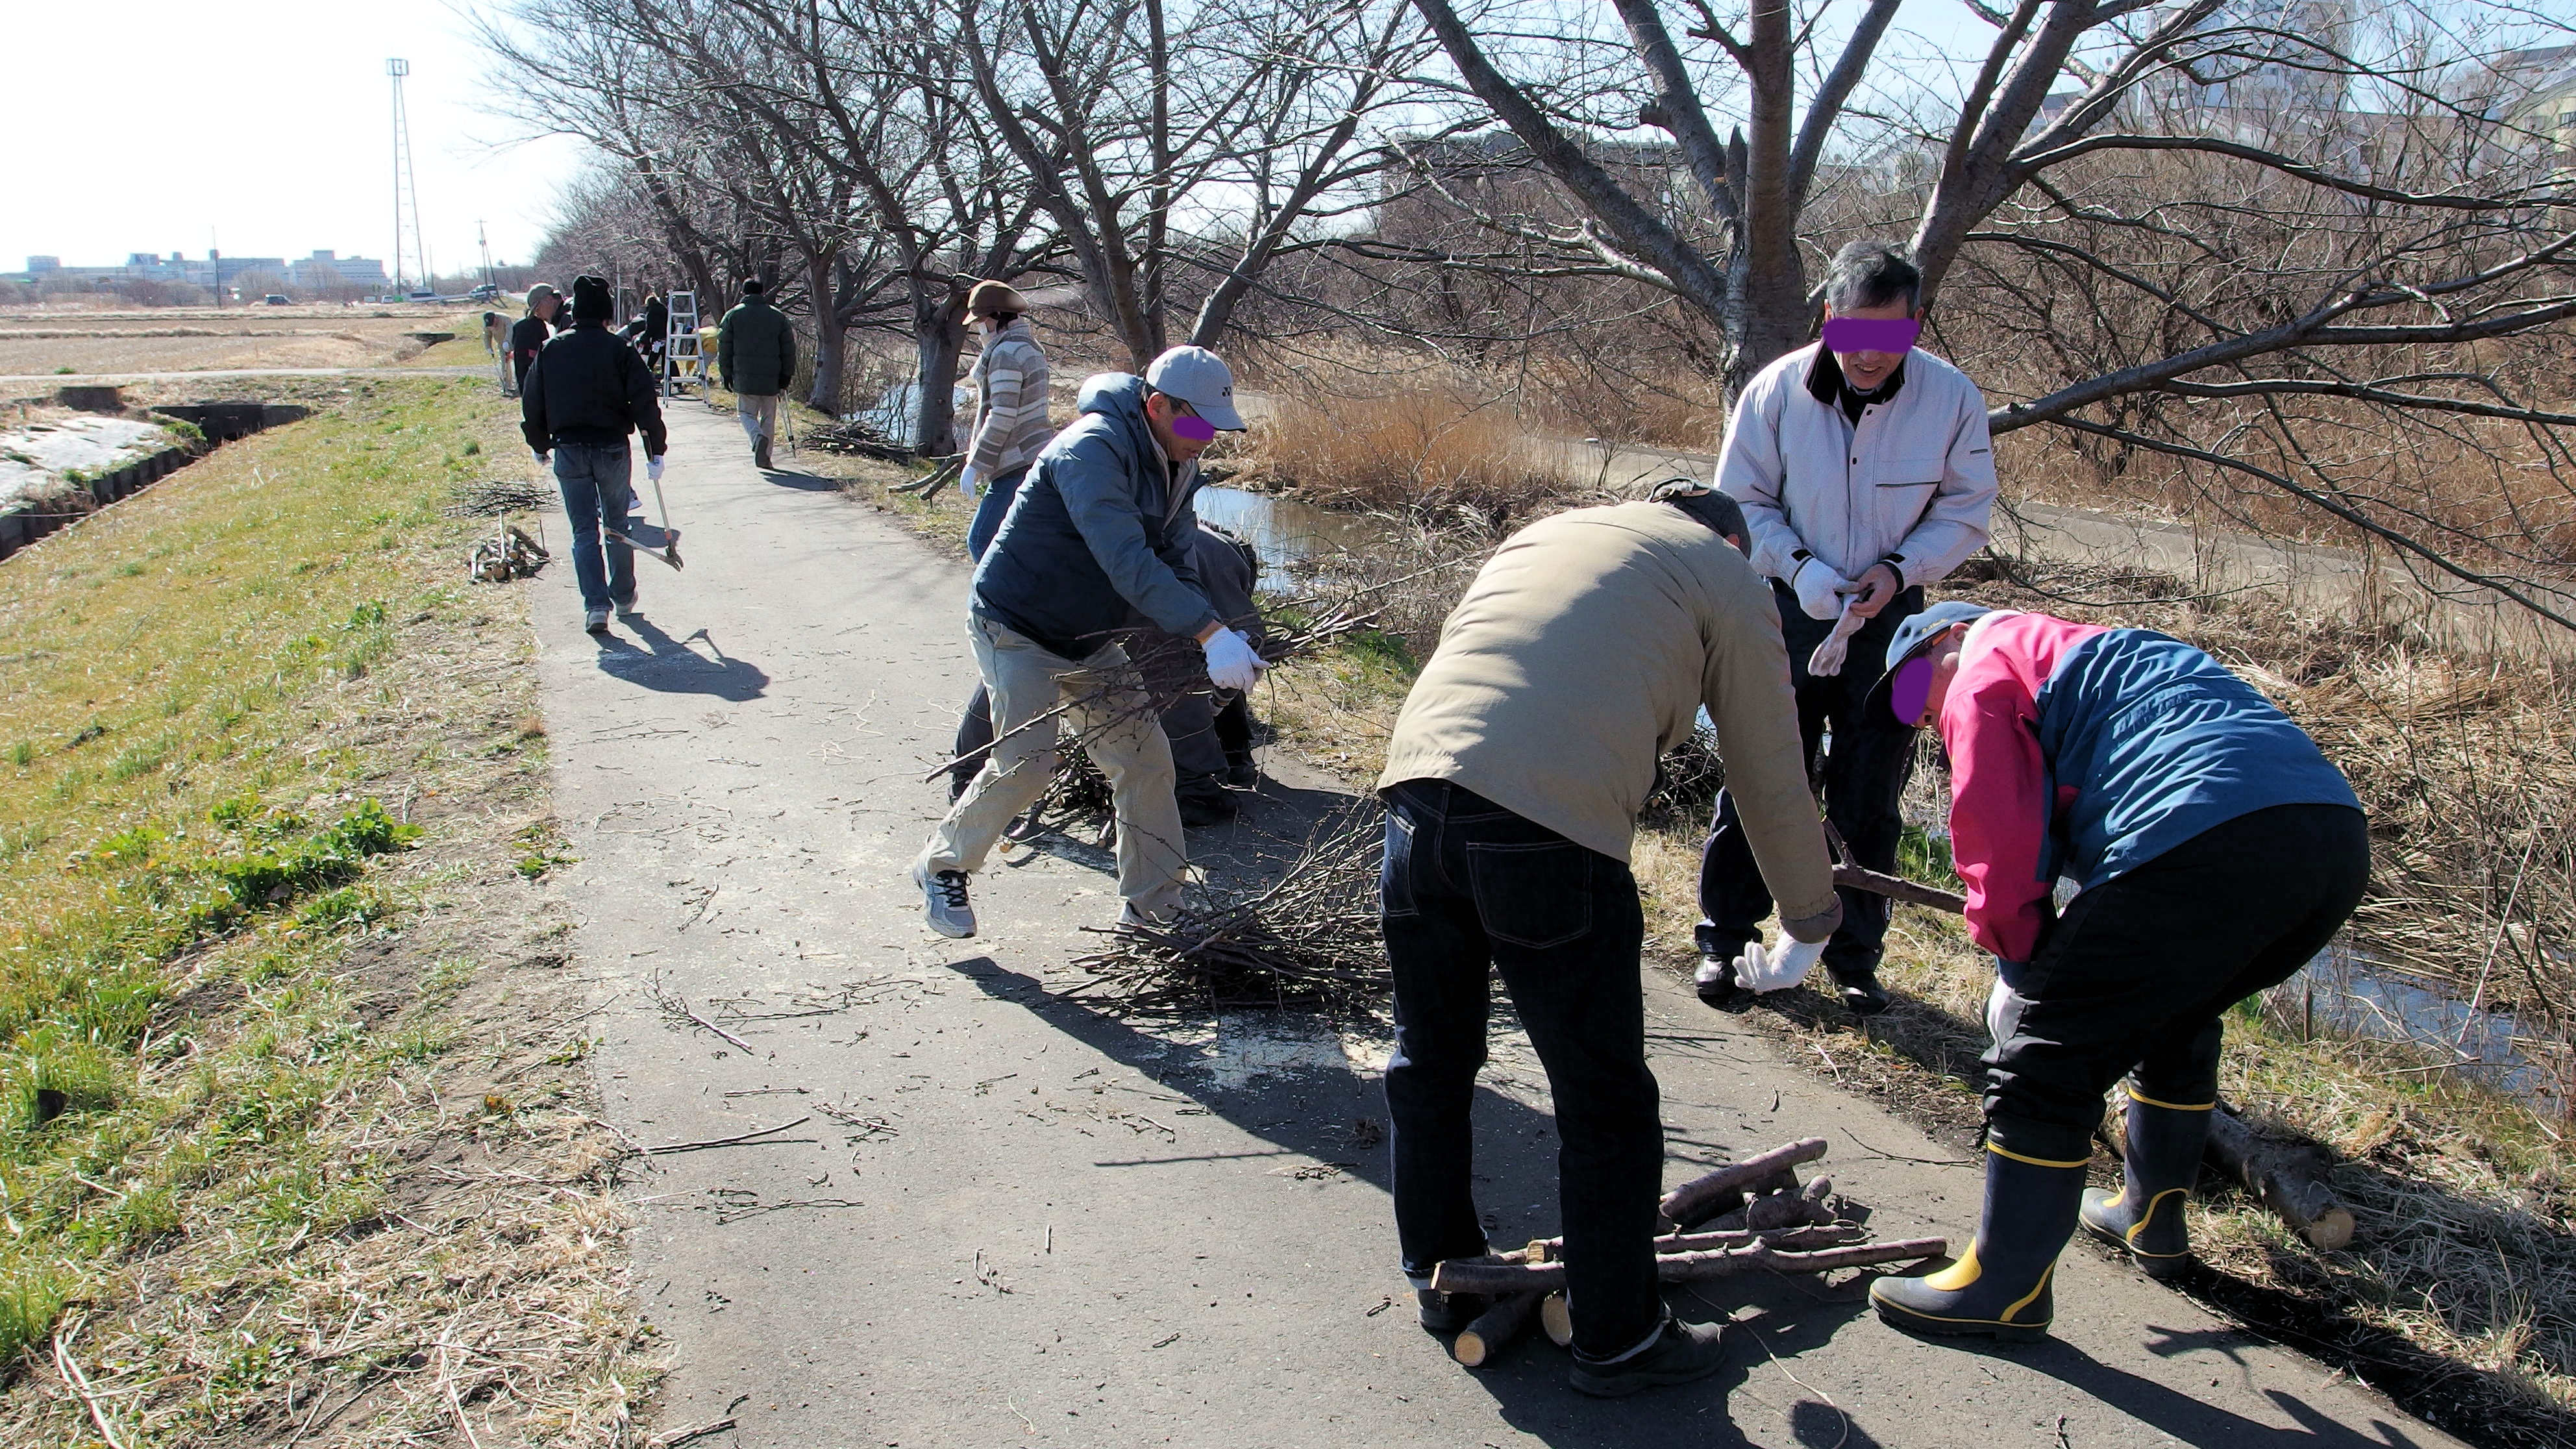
(1010, 408)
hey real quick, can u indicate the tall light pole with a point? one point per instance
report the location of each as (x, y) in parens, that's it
(406, 191)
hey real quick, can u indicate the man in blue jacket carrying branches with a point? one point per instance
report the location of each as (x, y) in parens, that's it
(1103, 522)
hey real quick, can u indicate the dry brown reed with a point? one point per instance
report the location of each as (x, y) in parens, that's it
(1427, 449)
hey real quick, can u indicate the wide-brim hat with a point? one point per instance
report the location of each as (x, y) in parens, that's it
(1914, 636)
(985, 299)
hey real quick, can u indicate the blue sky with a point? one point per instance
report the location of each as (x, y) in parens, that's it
(146, 125)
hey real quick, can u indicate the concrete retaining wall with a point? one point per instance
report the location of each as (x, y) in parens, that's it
(47, 515)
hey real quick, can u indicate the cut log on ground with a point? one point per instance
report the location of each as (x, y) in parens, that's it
(2289, 1177)
(1557, 1319)
(1706, 1196)
(1499, 1279)
(1494, 1329)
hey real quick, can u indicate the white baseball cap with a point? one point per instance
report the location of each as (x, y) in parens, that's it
(1200, 378)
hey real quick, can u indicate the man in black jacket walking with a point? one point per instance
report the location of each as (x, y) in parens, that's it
(587, 391)
(756, 351)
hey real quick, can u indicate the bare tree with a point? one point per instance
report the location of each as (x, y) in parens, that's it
(1214, 139)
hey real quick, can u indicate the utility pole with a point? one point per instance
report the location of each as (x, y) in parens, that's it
(406, 191)
(483, 244)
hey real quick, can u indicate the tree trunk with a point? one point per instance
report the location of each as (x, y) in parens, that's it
(1771, 315)
(831, 334)
(939, 340)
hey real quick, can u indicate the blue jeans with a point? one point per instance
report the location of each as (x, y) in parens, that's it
(596, 482)
(990, 513)
(1467, 886)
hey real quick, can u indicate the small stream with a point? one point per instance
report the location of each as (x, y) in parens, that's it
(1284, 532)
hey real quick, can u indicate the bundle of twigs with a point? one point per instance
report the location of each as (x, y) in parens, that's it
(853, 436)
(494, 497)
(1306, 939)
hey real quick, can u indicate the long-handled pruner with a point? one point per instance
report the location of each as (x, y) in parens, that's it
(669, 552)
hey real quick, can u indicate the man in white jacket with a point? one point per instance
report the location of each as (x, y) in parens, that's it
(1865, 472)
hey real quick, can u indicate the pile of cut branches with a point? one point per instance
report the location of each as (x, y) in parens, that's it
(853, 436)
(495, 496)
(1306, 939)
(1749, 1216)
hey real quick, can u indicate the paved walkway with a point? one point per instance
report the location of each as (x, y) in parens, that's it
(1004, 1217)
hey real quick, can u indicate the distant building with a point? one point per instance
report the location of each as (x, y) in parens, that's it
(324, 270)
(38, 266)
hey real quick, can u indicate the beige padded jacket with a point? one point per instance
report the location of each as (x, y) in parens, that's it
(1584, 650)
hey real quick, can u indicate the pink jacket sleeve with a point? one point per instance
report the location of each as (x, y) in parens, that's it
(1999, 809)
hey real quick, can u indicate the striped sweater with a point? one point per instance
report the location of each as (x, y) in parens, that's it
(1010, 380)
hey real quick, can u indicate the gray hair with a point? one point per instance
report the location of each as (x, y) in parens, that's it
(1872, 274)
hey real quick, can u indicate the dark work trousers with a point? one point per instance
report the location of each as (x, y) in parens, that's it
(2138, 973)
(1469, 887)
(975, 731)
(1864, 775)
(1234, 730)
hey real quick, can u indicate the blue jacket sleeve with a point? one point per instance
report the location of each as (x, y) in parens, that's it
(1099, 496)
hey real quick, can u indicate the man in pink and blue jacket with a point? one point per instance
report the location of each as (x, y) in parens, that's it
(2214, 851)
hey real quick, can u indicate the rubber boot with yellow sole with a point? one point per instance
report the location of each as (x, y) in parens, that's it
(2156, 1177)
(2000, 1286)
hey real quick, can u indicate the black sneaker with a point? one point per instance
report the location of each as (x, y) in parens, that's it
(1450, 1312)
(760, 455)
(1717, 985)
(1681, 1353)
(1858, 989)
(1201, 811)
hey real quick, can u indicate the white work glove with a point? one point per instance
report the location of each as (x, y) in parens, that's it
(541, 457)
(969, 484)
(1779, 968)
(1231, 662)
(1827, 660)
(653, 468)
(1820, 590)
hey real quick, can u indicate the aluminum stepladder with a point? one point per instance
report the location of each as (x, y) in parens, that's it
(684, 365)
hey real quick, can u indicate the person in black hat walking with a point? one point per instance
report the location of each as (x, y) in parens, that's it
(585, 393)
(756, 351)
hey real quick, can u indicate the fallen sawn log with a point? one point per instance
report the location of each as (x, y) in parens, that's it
(1705, 1196)
(1494, 1329)
(1501, 1279)
(2287, 1177)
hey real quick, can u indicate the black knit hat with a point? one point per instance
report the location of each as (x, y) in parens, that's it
(590, 300)
(754, 287)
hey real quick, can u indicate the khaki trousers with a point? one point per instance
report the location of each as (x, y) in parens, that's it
(1116, 726)
(759, 413)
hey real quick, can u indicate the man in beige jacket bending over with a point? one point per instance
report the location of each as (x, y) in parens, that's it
(1581, 653)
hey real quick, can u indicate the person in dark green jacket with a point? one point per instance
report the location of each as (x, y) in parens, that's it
(756, 352)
